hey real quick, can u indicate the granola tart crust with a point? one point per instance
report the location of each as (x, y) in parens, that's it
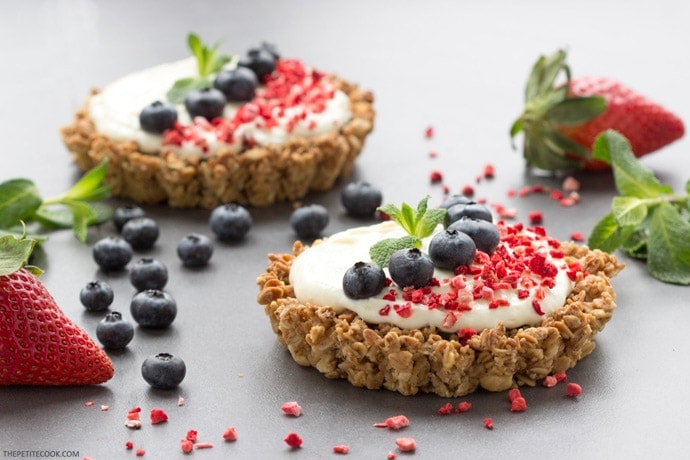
(259, 176)
(425, 360)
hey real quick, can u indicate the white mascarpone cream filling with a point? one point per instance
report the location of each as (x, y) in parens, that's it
(115, 112)
(317, 273)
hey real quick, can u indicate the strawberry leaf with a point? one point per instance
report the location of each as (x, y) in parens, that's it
(14, 253)
(575, 111)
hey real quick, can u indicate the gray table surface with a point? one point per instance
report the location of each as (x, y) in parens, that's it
(457, 66)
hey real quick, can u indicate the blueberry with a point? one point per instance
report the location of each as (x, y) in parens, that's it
(148, 273)
(157, 117)
(153, 308)
(455, 199)
(96, 296)
(208, 103)
(363, 280)
(261, 61)
(141, 232)
(451, 248)
(361, 199)
(411, 267)
(195, 250)
(112, 253)
(271, 48)
(125, 213)
(484, 234)
(472, 209)
(309, 221)
(163, 371)
(230, 222)
(114, 332)
(238, 85)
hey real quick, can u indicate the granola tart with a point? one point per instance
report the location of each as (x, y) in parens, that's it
(339, 343)
(182, 168)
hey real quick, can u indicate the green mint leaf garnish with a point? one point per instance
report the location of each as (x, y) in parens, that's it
(648, 221)
(208, 62)
(19, 199)
(418, 223)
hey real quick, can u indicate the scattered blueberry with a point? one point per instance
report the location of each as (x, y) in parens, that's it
(148, 273)
(125, 213)
(195, 250)
(411, 267)
(163, 371)
(158, 117)
(112, 253)
(271, 48)
(455, 199)
(141, 232)
(260, 60)
(230, 222)
(114, 332)
(472, 209)
(361, 199)
(96, 296)
(485, 234)
(363, 280)
(309, 221)
(238, 84)
(208, 103)
(451, 248)
(153, 308)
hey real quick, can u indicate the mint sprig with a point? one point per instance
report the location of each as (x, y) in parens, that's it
(418, 223)
(209, 61)
(648, 220)
(79, 207)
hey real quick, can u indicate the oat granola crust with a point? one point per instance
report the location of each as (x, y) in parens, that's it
(259, 176)
(413, 360)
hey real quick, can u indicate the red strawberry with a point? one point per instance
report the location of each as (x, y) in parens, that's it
(39, 345)
(560, 122)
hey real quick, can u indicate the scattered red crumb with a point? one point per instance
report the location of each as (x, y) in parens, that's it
(230, 434)
(129, 445)
(446, 409)
(293, 440)
(186, 445)
(433, 154)
(463, 406)
(518, 404)
(87, 458)
(573, 389)
(391, 456)
(158, 416)
(133, 419)
(192, 435)
(180, 401)
(514, 393)
(570, 184)
(535, 217)
(561, 376)
(406, 444)
(467, 190)
(549, 381)
(489, 171)
(435, 177)
(88, 403)
(429, 132)
(203, 445)
(292, 408)
(394, 423)
(140, 452)
(577, 236)
(489, 423)
(567, 202)
(341, 449)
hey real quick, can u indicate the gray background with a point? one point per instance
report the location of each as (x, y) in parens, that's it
(457, 66)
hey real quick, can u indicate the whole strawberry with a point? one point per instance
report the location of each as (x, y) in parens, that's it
(561, 120)
(39, 345)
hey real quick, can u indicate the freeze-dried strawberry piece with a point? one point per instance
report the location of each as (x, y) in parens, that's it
(394, 423)
(230, 434)
(463, 406)
(561, 376)
(140, 452)
(489, 423)
(406, 444)
(518, 404)
(341, 449)
(573, 390)
(445, 409)
(203, 445)
(549, 381)
(514, 393)
(435, 177)
(293, 440)
(129, 445)
(158, 416)
(292, 408)
(191, 435)
(186, 445)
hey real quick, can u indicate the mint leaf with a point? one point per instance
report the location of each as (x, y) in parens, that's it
(19, 199)
(90, 187)
(669, 246)
(428, 223)
(382, 251)
(607, 234)
(629, 210)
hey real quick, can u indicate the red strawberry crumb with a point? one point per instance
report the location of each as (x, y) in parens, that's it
(573, 390)
(391, 456)
(203, 445)
(129, 445)
(463, 406)
(230, 434)
(445, 409)
(191, 436)
(292, 408)
(435, 177)
(446, 189)
(104, 408)
(186, 445)
(429, 132)
(293, 440)
(180, 401)
(549, 381)
(513, 394)
(406, 444)
(557, 195)
(433, 154)
(567, 202)
(467, 190)
(561, 376)
(511, 193)
(570, 184)
(577, 236)
(341, 449)
(88, 403)
(140, 452)
(394, 423)
(489, 171)
(535, 217)
(158, 416)
(518, 404)
(489, 423)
